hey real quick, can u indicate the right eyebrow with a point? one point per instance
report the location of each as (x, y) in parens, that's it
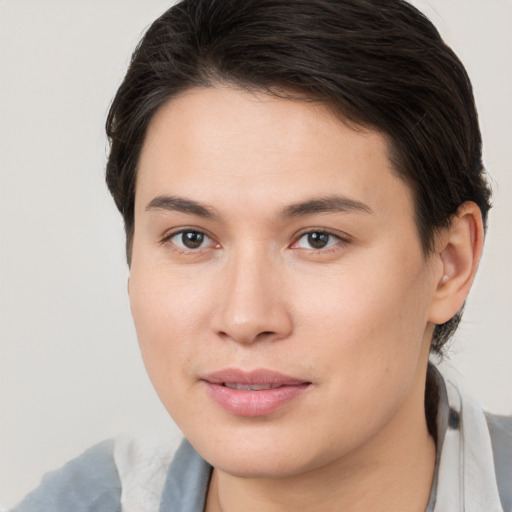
(180, 204)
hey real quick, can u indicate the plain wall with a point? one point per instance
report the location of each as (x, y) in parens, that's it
(70, 371)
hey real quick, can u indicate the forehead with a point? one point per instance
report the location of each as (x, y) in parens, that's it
(223, 143)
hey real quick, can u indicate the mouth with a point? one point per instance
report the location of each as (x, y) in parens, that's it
(249, 387)
(254, 393)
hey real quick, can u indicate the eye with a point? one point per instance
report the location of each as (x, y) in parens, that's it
(190, 239)
(317, 240)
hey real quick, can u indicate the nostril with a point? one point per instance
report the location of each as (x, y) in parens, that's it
(264, 334)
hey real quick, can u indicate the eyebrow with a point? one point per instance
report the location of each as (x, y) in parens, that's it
(180, 204)
(330, 204)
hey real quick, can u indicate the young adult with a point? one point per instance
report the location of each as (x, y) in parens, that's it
(304, 201)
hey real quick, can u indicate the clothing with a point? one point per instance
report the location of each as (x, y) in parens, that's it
(474, 455)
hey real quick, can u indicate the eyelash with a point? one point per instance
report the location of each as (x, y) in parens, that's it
(331, 244)
(170, 236)
(334, 240)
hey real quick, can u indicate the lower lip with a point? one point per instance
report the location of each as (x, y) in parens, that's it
(254, 403)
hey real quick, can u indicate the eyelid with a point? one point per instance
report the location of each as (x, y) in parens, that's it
(342, 239)
(171, 233)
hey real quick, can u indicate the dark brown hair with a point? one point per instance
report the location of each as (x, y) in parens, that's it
(377, 64)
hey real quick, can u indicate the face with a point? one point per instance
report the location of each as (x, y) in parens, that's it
(278, 287)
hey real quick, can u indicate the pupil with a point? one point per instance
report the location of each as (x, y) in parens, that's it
(192, 239)
(318, 240)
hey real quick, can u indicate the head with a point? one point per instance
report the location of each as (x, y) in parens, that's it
(349, 83)
(384, 67)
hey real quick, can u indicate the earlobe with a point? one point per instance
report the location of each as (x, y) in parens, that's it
(460, 248)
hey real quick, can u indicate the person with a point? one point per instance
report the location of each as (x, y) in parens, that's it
(305, 202)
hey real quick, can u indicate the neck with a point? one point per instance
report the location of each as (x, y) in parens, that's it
(391, 472)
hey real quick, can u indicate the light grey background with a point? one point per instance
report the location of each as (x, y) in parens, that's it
(70, 372)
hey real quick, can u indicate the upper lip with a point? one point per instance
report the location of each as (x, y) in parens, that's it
(259, 376)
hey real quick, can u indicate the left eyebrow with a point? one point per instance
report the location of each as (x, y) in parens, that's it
(330, 204)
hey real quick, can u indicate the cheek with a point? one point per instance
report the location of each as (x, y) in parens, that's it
(172, 309)
(165, 320)
(166, 305)
(364, 301)
(366, 326)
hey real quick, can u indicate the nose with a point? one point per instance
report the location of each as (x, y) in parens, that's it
(252, 305)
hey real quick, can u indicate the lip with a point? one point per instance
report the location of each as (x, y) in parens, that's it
(253, 402)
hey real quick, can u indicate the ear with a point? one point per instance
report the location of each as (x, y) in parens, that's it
(459, 248)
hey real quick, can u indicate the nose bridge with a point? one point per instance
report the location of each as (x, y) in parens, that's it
(253, 306)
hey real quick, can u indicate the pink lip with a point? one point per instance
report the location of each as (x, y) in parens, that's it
(242, 402)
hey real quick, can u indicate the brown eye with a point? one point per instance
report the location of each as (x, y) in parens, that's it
(317, 240)
(190, 239)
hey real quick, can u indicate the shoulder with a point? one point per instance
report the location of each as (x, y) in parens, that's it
(143, 464)
(475, 454)
(114, 475)
(500, 427)
(89, 482)
(500, 430)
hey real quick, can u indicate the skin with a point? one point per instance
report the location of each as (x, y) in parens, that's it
(354, 318)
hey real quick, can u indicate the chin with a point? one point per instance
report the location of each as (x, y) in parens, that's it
(261, 465)
(247, 454)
